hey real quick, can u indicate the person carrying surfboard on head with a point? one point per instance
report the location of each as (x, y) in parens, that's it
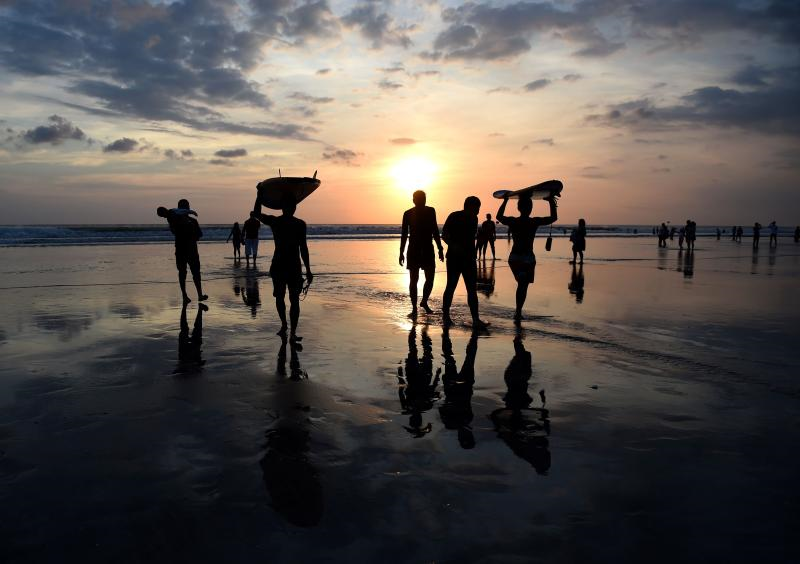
(291, 245)
(187, 232)
(420, 229)
(522, 261)
(459, 234)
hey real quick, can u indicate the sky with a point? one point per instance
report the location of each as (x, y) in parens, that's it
(646, 110)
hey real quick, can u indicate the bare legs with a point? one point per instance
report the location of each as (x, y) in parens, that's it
(454, 273)
(294, 312)
(522, 294)
(427, 288)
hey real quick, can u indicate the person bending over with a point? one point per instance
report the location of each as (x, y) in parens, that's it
(420, 229)
(289, 234)
(522, 261)
(459, 234)
(187, 232)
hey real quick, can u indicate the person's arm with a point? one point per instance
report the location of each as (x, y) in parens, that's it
(264, 218)
(446, 230)
(553, 213)
(161, 211)
(501, 213)
(304, 255)
(403, 238)
(435, 228)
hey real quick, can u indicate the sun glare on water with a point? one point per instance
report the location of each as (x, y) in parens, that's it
(414, 173)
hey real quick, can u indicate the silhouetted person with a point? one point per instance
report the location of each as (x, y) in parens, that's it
(523, 428)
(575, 285)
(797, 234)
(522, 261)
(733, 232)
(251, 228)
(663, 233)
(773, 234)
(236, 235)
(289, 234)
(420, 229)
(719, 234)
(578, 238)
(456, 411)
(187, 232)
(459, 234)
(487, 233)
(681, 236)
(417, 385)
(739, 233)
(485, 281)
(691, 234)
(756, 234)
(251, 295)
(190, 345)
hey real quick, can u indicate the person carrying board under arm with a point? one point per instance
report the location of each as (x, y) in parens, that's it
(187, 232)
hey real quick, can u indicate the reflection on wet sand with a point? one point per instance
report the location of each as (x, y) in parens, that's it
(290, 478)
(456, 411)
(523, 428)
(485, 281)
(190, 346)
(417, 385)
(576, 282)
(251, 295)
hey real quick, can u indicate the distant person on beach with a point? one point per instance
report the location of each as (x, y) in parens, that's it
(719, 234)
(691, 234)
(756, 234)
(773, 234)
(739, 233)
(522, 261)
(420, 230)
(459, 234)
(487, 233)
(733, 233)
(797, 234)
(236, 235)
(663, 233)
(289, 234)
(578, 238)
(187, 232)
(251, 228)
(681, 236)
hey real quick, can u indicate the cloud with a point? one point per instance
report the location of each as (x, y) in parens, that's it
(498, 89)
(59, 130)
(545, 141)
(231, 153)
(376, 26)
(592, 172)
(537, 84)
(322, 72)
(425, 73)
(303, 97)
(571, 77)
(124, 145)
(386, 84)
(183, 155)
(220, 162)
(751, 75)
(396, 67)
(402, 141)
(342, 156)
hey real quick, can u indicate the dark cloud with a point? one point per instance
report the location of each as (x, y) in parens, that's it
(751, 75)
(303, 97)
(343, 156)
(322, 72)
(386, 84)
(183, 155)
(220, 162)
(424, 73)
(537, 84)
(59, 130)
(305, 111)
(377, 26)
(769, 110)
(592, 172)
(181, 62)
(545, 141)
(402, 141)
(571, 77)
(124, 145)
(396, 67)
(231, 153)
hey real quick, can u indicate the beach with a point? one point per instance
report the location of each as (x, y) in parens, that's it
(646, 410)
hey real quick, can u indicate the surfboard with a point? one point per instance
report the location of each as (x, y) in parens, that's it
(272, 190)
(536, 192)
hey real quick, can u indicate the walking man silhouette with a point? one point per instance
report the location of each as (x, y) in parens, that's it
(419, 229)
(187, 232)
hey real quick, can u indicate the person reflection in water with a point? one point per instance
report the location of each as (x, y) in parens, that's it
(420, 229)
(456, 411)
(289, 234)
(485, 283)
(190, 345)
(187, 232)
(523, 428)
(290, 478)
(417, 384)
(251, 296)
(575, 285)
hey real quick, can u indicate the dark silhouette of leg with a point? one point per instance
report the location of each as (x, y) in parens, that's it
(470, 274)
(522, 294)
(194, 264)
(182, 282)
(294, 311)
(280, 305)
(491, 242)
(412, 289)
(430, 273)
(453, 275)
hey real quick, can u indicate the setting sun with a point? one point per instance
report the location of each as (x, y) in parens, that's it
(415, 173)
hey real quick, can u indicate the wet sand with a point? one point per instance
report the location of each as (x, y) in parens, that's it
(647, 411)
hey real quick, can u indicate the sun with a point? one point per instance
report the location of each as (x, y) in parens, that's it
(413, 173)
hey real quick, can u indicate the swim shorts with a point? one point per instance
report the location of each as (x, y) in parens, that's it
(523, 267)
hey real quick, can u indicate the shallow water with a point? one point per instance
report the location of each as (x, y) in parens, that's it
(652, 419)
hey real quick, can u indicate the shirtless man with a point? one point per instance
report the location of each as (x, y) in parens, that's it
(289, 234)
(187, 232)
(419, 227)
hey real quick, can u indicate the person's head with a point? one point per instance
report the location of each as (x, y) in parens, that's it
(472, 205)
(236, 225)
(525, 205)
(419, 198)
(288, 204)
(183, 204)
(581, 222)
(488, 217)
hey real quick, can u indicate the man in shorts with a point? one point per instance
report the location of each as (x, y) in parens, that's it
(420, 228)
(251, 227)
(488, 233)
(459, 234)
(187, 232)
(289, 234)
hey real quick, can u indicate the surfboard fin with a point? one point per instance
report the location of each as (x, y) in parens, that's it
(315, 174)
(279, 173)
